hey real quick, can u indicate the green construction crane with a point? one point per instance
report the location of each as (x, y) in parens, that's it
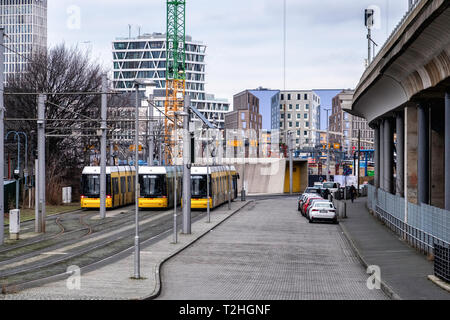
(176, 39)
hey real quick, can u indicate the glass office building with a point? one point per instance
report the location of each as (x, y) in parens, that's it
(145, 57)
(25, 25)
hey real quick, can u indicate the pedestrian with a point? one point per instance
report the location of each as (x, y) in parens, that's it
(353, 193)
(325, 194)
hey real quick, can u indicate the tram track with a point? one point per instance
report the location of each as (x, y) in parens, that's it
(87, 255)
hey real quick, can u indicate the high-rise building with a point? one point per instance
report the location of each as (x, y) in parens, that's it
(348, 126)
(299, 112)
(245, 114)
(25, 24)
(145, 57)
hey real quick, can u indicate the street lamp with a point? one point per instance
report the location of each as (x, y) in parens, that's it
(138, 83)
(328, 145)
(17, 171)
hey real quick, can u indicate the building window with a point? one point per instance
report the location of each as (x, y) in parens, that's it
(297, 107)
(242, 115)
(305, 116)
(289, 97)
(298, 116)
(305, 133)
(290, 107)
(299, 96)
(282, 96)
(307, 107)
(244, 125)
(307, 124)
(306, 96)
(297, 124)
(290, 124)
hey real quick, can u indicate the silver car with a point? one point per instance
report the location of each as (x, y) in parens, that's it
(322, 211)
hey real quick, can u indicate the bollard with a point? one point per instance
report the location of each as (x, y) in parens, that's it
(14, 224)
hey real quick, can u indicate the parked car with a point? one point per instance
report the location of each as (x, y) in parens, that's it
(331, 186)
(308, 202)
(322, 211)
(301, 200)
(318, 185)
(312, 190)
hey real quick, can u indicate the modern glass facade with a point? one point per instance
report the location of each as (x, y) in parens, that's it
(145, 57)
(25, 24)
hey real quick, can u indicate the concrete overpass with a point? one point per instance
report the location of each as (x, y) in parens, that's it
(405, 96)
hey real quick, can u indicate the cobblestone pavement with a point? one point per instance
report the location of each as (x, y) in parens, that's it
(268, 251)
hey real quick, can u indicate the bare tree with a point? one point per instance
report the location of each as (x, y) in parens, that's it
(71, 117)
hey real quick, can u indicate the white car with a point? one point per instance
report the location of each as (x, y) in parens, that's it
(322, 211)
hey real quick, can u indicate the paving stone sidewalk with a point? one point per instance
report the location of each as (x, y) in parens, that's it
(114, 281)
(403, 269)
(268, 251)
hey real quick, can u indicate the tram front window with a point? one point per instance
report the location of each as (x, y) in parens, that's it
(198, 187)
(152, 185)
(91, 185)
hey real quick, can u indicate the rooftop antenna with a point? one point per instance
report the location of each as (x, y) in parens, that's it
(129, 31)
(139, 31)
(369, 15)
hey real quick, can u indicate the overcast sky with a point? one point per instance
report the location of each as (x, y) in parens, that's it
(326, 39)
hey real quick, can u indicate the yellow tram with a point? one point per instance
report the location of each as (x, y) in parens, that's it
(120, 187)
(222, 180)
(157, 186)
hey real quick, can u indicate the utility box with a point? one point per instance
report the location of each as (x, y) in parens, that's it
(14, 224)
(67, 195)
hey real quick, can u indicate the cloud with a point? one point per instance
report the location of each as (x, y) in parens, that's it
(326, 40)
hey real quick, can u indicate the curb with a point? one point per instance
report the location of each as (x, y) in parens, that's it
(157, 291)
(384, 287)
(440, 283)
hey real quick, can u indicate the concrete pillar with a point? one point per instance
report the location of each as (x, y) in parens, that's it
(423, 154)
(447, 150)
(411, 153)
(437, 152)
(400, 167)
(388, 156)
(381, 154)
(377, 156)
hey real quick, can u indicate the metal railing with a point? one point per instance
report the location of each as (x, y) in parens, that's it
(422, 226)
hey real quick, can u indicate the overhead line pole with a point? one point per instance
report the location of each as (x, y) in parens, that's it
(41, 161)
(103, 155)
(2, 134)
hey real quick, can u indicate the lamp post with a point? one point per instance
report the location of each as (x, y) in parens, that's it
(328, 145)
(137, 84)
(17, 171)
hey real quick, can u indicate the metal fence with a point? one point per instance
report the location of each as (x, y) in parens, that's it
(421, 226)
